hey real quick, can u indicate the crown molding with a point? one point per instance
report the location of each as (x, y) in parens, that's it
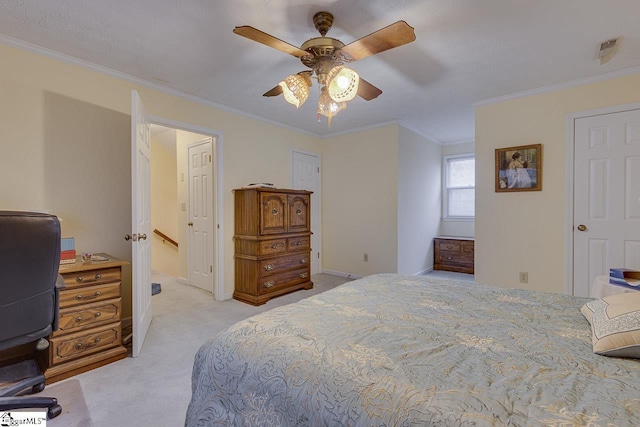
(39, 50)
(565, 85)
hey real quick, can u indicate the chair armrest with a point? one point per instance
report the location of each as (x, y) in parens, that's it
(59, 285)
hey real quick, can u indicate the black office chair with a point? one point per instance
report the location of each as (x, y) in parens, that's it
(29, 289)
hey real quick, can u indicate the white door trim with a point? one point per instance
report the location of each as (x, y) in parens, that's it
(218, 196)
(570, 152)
(319, 219)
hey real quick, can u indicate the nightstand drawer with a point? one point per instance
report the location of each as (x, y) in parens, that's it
(91, 277)
(72, 346)
(89, 315)
(71, 297)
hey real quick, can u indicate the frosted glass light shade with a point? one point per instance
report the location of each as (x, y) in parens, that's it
(295, 89)
(342, 83)
(327, 106)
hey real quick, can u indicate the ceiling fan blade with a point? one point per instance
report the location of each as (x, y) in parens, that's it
(266, 39)
(274, 92)
(367, 91)
(387, 38)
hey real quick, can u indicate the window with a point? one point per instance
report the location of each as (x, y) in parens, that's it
(459, 187)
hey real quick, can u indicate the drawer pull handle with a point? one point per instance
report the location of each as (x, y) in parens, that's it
(299, 212)
(97, 340)
(79, 319)
(449, 258)
(298, 243)
(79, 345)
(274, 212)
(303, 275)
(98, 314)
(304, 260)
(80, 279)
(269, 284)
(275, 246)
(95, 295)
(269, 267)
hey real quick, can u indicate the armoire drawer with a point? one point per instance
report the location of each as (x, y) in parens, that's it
(280, 281)
(268, 247)
(298, 243)
(280, 264)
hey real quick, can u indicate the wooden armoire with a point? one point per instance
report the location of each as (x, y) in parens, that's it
(272, 243)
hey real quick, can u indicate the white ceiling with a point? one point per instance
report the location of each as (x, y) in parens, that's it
(466, 51)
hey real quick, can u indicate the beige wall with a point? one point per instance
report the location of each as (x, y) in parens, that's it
(164, 209)
(252, 150)
(419, 200)
(457, 228)
(359, 201)
(526, 231)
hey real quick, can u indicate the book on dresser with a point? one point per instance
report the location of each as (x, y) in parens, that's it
(272, 243)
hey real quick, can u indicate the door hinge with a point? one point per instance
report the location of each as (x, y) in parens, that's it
(211, 268)
(318, 255)
(209, 158)
(318, 169)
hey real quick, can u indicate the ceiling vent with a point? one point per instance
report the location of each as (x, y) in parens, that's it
(608, 49)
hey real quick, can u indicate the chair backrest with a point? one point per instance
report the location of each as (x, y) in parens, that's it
(29, 263)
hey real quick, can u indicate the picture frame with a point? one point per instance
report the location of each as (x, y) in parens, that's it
(519, 168)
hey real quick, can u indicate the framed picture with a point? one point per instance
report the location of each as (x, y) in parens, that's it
(519, 168)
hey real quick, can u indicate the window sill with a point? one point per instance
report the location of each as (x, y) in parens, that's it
(459, 219)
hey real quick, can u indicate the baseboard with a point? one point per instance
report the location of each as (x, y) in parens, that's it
(342, 274)
(425, 271)
(183, 280)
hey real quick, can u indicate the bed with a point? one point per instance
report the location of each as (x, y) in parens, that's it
(394, 350)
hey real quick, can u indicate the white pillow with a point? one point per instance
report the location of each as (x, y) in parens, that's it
(615, 324)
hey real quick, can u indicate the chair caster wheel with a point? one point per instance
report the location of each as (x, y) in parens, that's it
(37, 388)
(54, 411)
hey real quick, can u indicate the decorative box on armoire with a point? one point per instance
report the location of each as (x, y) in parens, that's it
(272, 243)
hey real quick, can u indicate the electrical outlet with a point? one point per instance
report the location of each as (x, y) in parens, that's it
(524, 277)
(366, 257)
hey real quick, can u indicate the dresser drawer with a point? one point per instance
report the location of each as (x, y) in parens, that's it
(71, 297)
(72, 346)
(84, 278)
(268, 247)
(88, 315)
(280, 281)
(298, 243)
(277, 265)
(452, 258)
(454, 246)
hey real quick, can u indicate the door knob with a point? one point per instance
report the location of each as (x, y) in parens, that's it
(190, 224)
(142, 236)
(127, 237)
(582, 227)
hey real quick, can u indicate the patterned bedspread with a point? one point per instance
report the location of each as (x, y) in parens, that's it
(393, 350)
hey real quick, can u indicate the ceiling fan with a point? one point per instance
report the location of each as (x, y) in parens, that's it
(325, 57)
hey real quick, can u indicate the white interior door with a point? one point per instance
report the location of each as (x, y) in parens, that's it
(140, 222)
(200, 225)
(306, 176)
(606, 196)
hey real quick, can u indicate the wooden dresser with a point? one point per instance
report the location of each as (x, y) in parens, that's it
(89, 334)
(454, 254)
(272, 243)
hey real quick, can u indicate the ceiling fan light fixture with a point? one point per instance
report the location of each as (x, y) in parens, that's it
(327, 106)
(295, 89)
(342, 83)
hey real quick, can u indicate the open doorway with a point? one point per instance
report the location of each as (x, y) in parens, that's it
(183, 215)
